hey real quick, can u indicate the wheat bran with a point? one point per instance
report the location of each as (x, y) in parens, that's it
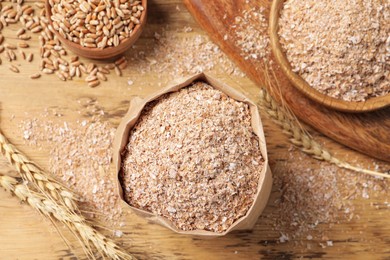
(313, 196)
(172, 56)
(250, 29)
(341, 48)
(193, 158)
(80, 157)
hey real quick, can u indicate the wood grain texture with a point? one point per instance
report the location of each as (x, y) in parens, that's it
(26, 235)
(365, 132)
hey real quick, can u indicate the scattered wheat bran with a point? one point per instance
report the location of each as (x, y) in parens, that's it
(193, 158)
(313, 195)
(341, 48)
(180, 53)
(251, 34)
(80, 157)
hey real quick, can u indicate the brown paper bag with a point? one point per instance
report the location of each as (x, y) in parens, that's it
(265, 182)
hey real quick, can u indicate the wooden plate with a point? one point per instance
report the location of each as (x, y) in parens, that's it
(334, 103)
(367, 132)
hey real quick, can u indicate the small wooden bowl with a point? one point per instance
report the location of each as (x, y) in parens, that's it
(109, 52)
(370, 104)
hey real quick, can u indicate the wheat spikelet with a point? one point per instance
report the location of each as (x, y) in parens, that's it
(30, 172)
(77, 223)
(8, 183)
(300, 138)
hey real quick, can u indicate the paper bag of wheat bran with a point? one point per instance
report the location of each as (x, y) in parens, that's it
(247, 221)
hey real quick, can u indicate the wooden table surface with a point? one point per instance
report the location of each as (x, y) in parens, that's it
(24, 234)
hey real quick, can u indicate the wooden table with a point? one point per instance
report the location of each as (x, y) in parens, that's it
(24, 234)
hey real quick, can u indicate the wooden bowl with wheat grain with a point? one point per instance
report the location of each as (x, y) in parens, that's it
(373, 103)
(101, 53)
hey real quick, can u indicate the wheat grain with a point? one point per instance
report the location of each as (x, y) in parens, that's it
(23, 54)
(95, 24)
(10, 46)
(109, 66)
(60, 76)
(93, 72)
(12, 54)
(13, 68)
(48, 70)
(101, 76)
(23, 45)
(90, 78)
(123, 65)
(93, 84)
(37, 29)
(35, 76)
(120, 60)
(72, 71)
(20, 32)
(24, 37)
(103, 70)
(118, 71)
(63, 67)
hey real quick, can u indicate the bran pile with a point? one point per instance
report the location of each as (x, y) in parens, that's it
(194, 159)
(341, 48)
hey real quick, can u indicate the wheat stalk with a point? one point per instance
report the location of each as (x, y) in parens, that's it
(54, 200)
(75, 222)
(300, 138)
(30, 172)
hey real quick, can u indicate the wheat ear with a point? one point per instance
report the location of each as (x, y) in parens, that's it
(30, 172)
(301, 138)
(59, 202)
(75, 222)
